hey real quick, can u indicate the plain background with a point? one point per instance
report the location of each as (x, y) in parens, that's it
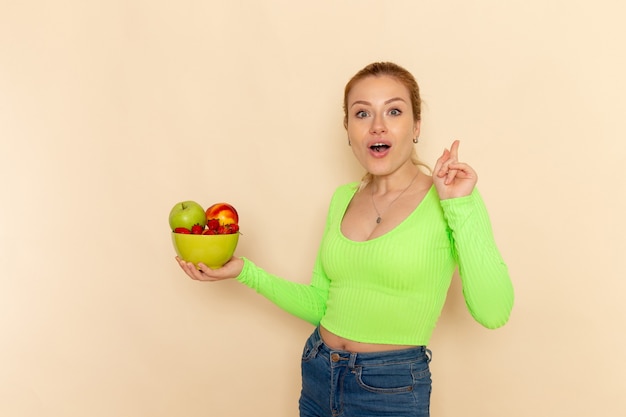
(113, 111)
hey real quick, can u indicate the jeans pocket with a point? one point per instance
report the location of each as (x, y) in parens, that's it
(389, 378)
(421, 371)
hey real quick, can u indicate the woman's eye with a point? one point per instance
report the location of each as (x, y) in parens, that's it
(395, 112)
(361, 114)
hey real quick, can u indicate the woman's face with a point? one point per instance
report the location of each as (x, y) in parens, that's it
(380, 124)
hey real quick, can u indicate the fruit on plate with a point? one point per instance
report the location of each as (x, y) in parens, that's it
(219, 219)
(223, 212)
(186, 214)
(207, 236)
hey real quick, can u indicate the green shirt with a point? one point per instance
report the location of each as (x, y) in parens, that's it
(391, 289)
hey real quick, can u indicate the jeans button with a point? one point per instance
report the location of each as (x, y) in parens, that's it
(334, 357)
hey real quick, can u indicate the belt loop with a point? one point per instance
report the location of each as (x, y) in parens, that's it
(316, 343)
(318, 339)
(316, 346)
(352, 360)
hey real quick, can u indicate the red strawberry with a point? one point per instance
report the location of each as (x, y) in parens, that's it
(213, 224)
(231, 228)
(183, 230)
(209, 232)
(196, 229)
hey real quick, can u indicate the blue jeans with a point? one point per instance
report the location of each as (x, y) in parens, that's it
(337, 383)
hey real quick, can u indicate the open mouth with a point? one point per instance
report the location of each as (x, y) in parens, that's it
(379, 147)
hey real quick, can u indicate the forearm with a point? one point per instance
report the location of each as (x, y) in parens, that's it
(487, 287)
(307, 302)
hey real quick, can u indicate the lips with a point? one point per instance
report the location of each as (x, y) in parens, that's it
(379, 148)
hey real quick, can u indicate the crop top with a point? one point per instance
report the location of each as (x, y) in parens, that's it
(391, 289)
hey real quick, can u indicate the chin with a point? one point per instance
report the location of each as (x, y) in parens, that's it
(382, 170)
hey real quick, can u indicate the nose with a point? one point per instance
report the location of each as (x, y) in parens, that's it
(378, 125)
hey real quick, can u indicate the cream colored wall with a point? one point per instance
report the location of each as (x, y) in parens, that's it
(112, 111)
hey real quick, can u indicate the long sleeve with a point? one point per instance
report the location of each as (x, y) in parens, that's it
(487, 287)
(307, 302)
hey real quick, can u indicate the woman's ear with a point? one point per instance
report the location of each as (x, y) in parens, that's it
(416, 128)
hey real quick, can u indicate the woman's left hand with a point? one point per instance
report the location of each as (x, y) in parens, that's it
(453, 178)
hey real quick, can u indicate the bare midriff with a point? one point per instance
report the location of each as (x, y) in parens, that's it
(340, 343)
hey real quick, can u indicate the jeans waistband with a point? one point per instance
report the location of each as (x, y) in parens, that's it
(368, 358)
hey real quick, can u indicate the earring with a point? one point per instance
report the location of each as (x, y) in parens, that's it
(349, 143)
(416, 139)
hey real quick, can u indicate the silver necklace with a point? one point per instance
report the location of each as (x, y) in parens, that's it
(379, 217)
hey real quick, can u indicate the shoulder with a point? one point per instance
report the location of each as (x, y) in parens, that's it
(349, 188)
(345, 191)
(342, 195)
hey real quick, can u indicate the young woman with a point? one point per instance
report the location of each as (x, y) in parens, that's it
(390, 247)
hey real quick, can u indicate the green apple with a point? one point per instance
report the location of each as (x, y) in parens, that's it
(186, 214)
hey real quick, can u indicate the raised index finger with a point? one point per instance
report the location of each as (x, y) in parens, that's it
(454, 150)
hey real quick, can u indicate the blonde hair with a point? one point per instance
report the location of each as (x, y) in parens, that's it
(378, 69)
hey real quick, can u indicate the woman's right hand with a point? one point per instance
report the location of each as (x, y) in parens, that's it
(231, 269)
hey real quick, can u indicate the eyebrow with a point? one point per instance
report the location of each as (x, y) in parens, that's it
(367, 103)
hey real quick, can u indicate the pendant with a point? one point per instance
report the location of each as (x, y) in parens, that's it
(378, 219)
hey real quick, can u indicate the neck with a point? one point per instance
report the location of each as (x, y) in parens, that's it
(399, 193)
(393, 183)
